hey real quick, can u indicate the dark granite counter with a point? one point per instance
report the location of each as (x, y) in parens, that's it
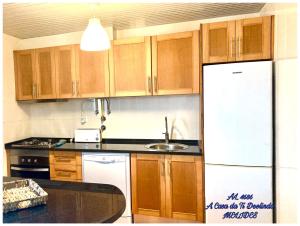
(125, 146)
(72, 202)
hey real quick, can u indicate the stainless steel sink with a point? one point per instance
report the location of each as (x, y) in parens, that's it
(166, 147)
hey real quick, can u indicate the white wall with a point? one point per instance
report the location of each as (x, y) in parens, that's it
(16, 116)
(131, 117)
(287, 85)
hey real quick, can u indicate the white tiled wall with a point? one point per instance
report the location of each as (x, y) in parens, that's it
(131, 117)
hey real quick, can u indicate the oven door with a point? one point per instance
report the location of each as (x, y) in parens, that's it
(30, 171)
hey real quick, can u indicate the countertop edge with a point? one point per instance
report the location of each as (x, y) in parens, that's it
(190, 143)
(129, 151)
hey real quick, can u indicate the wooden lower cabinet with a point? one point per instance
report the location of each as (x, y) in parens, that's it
(167, 187)
(148, 184)
(65, 166)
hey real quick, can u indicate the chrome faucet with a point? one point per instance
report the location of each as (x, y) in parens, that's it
(166, 133)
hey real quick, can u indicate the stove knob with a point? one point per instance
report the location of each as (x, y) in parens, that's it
(22, 160)
(28, 160)
(35, 160)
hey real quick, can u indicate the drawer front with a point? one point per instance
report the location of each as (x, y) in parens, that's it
(65, 157)
(61, 173)
(63, 160)
(64, 167)
(70, 154)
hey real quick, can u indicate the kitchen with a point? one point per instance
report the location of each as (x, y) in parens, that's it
(141, 117)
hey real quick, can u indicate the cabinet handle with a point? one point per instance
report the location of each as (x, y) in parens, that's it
(241, 46)
(73, 88)
(64, 174)
(37, 91)
(77, 88)
(33, 91)
(170, 169)
(239, 43)
(232, 44)
(155, 84)
(62, 160)
(149, 84)
(163, 168)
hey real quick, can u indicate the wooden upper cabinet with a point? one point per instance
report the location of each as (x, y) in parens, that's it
(130, 67)
(240, 40)
(148, 184)
(175, 63)
(254, 38)
(25, 81)
(65, 71)
(184, 187)
(45, 73)
(92, 73)
(218, 42)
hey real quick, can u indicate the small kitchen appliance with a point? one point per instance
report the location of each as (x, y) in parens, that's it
(87, 135)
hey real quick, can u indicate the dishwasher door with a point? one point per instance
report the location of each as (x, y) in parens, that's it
(109, 168)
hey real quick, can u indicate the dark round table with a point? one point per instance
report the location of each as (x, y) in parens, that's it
(72, 202)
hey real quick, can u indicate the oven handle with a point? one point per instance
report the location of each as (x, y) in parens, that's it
(29, 169)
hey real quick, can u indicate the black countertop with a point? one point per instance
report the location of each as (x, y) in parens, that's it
(72, 202)
(124, 146)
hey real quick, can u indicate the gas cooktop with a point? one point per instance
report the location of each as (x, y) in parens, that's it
(40, 143)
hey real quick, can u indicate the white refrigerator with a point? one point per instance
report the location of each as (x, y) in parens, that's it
(238, 142)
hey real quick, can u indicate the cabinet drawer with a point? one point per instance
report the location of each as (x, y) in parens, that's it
(63, 160)
(65, 157)
(64, 175)
(65, 172)
(64, 167)
(70, 154)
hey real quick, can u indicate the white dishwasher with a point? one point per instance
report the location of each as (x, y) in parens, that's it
(109, 168)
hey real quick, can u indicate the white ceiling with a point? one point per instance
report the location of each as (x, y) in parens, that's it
(24, 20)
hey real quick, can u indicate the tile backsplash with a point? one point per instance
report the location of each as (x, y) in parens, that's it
(131, 117)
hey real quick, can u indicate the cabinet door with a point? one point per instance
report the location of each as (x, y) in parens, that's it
(175, 63)
(65, 71)
(25, 74)
(148, 184)
(45, 73)
(184, 187)
(130, 67)
(92, 73)
(218, 42)
(254, 38)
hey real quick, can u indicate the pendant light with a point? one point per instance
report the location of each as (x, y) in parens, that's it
(94, 38)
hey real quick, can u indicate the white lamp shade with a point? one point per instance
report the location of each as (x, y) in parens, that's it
(94, 38)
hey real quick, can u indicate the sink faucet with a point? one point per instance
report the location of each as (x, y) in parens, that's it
(166, 133)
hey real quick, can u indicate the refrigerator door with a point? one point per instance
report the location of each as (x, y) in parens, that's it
(221, 181)
(238, 113)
